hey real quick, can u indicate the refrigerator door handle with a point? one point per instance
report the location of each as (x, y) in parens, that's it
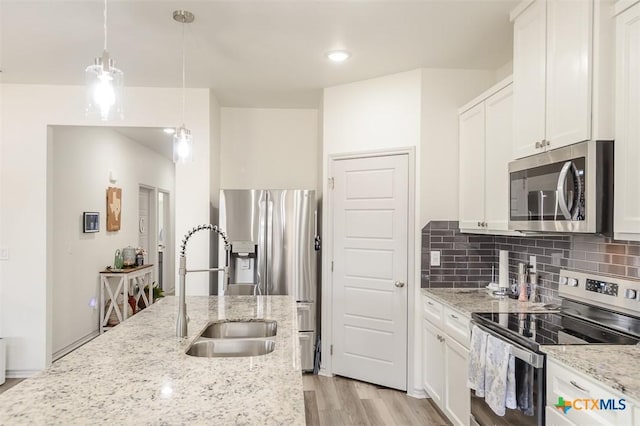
(262, 253)
(269, 244)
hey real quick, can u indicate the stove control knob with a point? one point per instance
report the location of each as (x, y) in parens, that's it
(630, 293)
(563, 281)
(573, 282)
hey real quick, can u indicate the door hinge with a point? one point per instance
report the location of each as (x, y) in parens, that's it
(331, 183)
(331, 350)
(332, 266)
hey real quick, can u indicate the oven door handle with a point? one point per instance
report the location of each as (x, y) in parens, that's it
(534, 359)
(561, 197)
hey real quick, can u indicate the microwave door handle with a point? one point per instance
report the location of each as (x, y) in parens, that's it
(560, 197)
(577, 193)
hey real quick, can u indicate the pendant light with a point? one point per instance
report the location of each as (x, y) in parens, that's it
(104, 83)
(182, 140)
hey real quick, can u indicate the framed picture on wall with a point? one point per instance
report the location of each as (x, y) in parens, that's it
(91, 222)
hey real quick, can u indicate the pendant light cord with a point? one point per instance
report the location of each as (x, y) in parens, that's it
(183, 73)
(105, 24)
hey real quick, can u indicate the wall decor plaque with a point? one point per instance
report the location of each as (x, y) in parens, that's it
(114, 208)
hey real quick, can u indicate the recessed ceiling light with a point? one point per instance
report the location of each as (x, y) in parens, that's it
(169, 130)
(338, 55)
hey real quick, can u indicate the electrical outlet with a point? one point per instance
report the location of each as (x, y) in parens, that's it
(4, 253)
(532, 262)
(435, 258)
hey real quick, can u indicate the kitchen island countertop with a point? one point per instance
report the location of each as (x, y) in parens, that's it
(138, 372)
(469, 300)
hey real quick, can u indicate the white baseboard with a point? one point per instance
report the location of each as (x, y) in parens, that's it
(75, 345)
(417, 393)
(324, 372)
(21, 374)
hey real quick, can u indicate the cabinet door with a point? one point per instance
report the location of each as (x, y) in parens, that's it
(432, 362)
(498, 138)
(529, 79)
(569, 64)
(456, 395)
(472, 168)
(627, 146)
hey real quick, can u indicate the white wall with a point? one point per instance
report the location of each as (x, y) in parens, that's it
(443, 92)
(25, 280)
(82, 159)
(269, 148)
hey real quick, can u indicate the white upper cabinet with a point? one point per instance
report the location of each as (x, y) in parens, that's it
(627, 146)
(485, 150)
(561, 73)
(472, 168)
(498, 138)
(529, 53)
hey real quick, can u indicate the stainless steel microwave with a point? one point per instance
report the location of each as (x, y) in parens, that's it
(567, 189)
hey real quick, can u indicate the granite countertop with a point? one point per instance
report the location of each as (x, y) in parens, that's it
(138, 372)
(480, 300)
(612, 365)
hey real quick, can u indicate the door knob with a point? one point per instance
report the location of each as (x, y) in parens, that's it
(399, 284)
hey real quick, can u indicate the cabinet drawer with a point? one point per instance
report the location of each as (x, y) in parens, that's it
(571, 385)
(456, 325)
(432, 310)
(554, 417)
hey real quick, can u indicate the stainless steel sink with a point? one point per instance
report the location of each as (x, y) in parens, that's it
(230, 348)
(240, 329)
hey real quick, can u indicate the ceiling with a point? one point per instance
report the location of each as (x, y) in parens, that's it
(251, 53)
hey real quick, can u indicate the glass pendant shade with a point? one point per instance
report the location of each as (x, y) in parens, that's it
(104, 89)
(182, 145)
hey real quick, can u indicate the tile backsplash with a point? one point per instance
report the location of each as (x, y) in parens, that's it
(466, 259)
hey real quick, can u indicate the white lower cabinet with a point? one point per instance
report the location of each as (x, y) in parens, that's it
(582, 392)
(457, 400)
(445, 362)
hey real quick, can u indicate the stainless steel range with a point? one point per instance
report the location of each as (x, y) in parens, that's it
(594, 310)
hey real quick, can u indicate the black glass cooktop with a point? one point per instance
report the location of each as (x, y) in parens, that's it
(534, 329)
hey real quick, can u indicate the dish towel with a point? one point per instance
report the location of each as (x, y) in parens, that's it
(524, 387)
(500, 376)
(477, 358)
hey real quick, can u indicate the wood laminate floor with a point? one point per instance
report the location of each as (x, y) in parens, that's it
(8, 384)
(335, 401)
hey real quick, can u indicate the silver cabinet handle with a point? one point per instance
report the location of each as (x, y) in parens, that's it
(479, 224)
(546, 143)
(399, 284)
(453, 316)
(430, 303)
(578, 386)
(538, 145)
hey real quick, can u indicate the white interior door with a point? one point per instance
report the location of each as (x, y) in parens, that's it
(370, 228)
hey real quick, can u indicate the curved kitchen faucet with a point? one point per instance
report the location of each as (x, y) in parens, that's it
(181, 325)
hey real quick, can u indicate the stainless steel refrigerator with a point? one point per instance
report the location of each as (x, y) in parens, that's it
(273, 237)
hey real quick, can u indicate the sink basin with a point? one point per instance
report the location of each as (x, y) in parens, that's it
(230, 348)
(240, 329)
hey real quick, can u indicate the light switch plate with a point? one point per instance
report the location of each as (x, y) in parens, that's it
(4, 253)
(435, 258)
(532, 262)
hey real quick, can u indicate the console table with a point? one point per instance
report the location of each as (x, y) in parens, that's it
(122, 282)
